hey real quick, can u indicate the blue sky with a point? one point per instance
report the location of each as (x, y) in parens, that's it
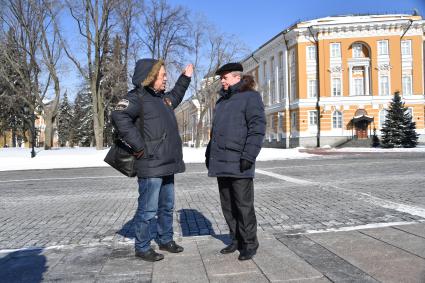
(255, 22)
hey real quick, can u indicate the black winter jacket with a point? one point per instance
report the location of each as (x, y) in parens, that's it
(159, 138)
(238, 130)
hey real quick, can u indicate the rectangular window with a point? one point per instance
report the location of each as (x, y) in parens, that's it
(335, 50)
(383, 47)
(384, 87)
(357, 51)
(312, 118)
(337, 120)
(358, 86)
(265, 71)
(311, 52)
(294, 120)
(407, 85)
(312, 88)
(406, 47)
(336, 87)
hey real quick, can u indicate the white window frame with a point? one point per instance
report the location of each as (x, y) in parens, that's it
(312, 88)
(409, 88)
(335, 87)
(335, 50)
(311, 52)
(381, 89)
(383, 48)
(356, 87)
(335, 116)
(406, 47)
(312, 118)
(357, 50)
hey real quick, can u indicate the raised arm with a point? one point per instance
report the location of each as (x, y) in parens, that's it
(177, 93)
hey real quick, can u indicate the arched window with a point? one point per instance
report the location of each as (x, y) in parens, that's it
(337, 120)
(382, 117)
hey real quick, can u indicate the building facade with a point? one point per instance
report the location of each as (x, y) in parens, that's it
(329, 80)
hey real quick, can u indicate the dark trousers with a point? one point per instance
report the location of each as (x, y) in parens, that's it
(237, 203)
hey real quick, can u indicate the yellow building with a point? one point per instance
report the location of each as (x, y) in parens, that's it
(329, 80)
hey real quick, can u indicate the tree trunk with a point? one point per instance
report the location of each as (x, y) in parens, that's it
(48, 133)
(98, 117)
(13, 138)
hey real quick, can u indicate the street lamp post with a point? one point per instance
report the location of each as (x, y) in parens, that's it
(33, 134)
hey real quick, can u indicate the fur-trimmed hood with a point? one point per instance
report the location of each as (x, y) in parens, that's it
(146, 71)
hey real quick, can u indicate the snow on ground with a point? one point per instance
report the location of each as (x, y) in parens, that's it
(20, 158)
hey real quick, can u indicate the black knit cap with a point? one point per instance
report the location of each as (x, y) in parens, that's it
(229, 67)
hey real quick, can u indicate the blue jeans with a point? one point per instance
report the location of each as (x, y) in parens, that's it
(156, 198)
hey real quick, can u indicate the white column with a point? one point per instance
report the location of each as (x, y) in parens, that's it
(350, 75)
(367, 79)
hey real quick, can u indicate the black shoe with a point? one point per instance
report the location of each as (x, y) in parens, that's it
(247, 254)
(171, 247)
(149, 255)
(230, 249)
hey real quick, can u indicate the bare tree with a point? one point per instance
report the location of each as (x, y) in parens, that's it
(128, 12)
(28, 24)
(93, 18)
(210, 51)
(165, 30)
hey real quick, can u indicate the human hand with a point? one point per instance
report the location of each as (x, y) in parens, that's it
(139, 154)
(245, 165)
(188, 71)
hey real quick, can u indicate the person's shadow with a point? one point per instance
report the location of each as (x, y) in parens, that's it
(192, 223)
(23, 266)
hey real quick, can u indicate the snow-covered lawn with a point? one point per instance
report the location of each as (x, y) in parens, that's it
(20, 158)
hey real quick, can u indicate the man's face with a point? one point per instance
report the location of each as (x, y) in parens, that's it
(161, 80)
(228, 79)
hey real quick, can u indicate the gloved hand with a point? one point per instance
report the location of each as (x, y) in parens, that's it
(139, 154)
(245, 165)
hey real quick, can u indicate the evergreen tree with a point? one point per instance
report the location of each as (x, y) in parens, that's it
(114, 82)
(65, 119)
(375, 139)
(410, 137)
(83, 119)
(398, 129)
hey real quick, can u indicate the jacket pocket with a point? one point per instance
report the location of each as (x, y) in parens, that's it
(232, 145)
(153, 146)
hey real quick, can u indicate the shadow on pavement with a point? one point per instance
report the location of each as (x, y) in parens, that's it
(192, 223)
(23, 266)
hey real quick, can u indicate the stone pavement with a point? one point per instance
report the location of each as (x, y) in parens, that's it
(75, 225)
(390, 254)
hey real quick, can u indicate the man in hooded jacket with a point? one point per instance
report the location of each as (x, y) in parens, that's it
(236, 138)
(145, 120)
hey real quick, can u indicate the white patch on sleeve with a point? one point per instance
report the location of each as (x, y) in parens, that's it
(122, 104)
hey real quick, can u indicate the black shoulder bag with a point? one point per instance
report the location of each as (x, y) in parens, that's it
(120, 155)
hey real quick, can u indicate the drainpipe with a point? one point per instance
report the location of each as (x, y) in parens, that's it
(316, 40)
(401, 55)
(287, 100)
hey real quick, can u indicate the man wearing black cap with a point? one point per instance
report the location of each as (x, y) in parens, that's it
(145, 120)
(236, 138)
